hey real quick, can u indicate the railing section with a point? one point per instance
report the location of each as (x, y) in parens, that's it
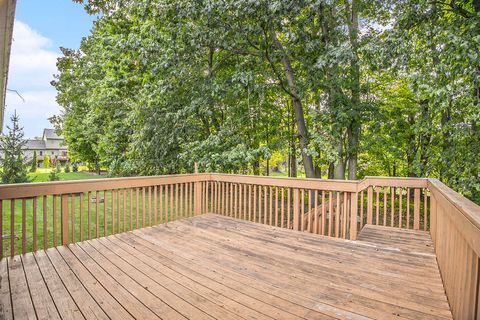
(42, 215)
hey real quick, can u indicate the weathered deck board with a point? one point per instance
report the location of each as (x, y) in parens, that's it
(214, 267)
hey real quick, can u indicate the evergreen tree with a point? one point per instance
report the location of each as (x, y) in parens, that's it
(33, 165)
(54, 174)
(11, 145)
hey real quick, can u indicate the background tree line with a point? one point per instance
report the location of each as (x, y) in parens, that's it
(345, 88)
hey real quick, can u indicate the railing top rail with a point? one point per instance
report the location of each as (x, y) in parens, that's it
(324, 184)
(468, 208)
(27, 190)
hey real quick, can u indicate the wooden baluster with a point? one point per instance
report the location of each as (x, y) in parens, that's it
(249, 202)
(255, 203)
(144, 207)
(282, 214)
(130, 192)
(392, 206)
(330, 213)
(296, 209)
(72, 210)
(425, 209)
(81, 215)
(384, 206)
(345, 215)
(150, 205)
(119, 210)
(97, 213)
(112, 193)
(235, 200)
(105, 223)
(12, 227)
(289, 215)
(276, 206)
(64, 215)
(45, 221)
(377, 207)
(416, 209)
(155, 209)
(270, 216)
(408, 208)
(310, 214)
(302, 210)
(90, 215)
(370, 205)
(34, 225)
(137, 208)
(231, 198)
(124, 210)
(245, 202)
(324, 213)
(400, 209)
(353, 215)
(265, 204)
(337, 216)
(361, 209)
(24, 226)
(54, 219)
(161, 195)
(316, 221)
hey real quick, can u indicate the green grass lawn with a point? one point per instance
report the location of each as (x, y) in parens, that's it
(123, 215)
(42, 175)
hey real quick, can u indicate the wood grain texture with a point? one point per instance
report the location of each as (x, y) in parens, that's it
(216, 267)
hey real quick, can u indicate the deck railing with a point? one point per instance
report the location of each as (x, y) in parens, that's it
(41, 215)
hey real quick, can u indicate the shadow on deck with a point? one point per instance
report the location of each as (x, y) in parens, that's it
(214, 267)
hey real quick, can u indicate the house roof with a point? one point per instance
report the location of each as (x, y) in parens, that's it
(51, 134)
(7, 16)
(35, 144)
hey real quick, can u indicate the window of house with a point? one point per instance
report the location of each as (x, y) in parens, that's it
(41, 153)
(53, 153)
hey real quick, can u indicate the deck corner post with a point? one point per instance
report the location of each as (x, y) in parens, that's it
(296, 209)
(353, 215)
(64, 217)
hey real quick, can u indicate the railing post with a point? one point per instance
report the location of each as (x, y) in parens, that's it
(198, 194)
(370, 205)
(296, 209)
(353, 215)
(64, 222)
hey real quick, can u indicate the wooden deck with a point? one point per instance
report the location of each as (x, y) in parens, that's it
(214, 267)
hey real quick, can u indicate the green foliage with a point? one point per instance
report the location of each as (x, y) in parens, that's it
(381, 87)
(11, 150)
(74, 167)
(67, 168)
(46, 161)
(55, 173)
(33, 165)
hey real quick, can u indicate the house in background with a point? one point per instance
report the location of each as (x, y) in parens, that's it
(50, 143)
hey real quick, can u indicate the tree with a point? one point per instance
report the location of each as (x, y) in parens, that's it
(75, 166)
(12, 160)
(46, 161)
(67, 167)
(33, 166)
(55, 173)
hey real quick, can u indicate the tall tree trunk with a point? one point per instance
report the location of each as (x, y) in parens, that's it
(297, 107)
(339, 169)
(353, 130)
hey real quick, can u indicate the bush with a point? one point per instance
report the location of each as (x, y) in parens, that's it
(74, 167)
(67, 167)
(46, 161)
